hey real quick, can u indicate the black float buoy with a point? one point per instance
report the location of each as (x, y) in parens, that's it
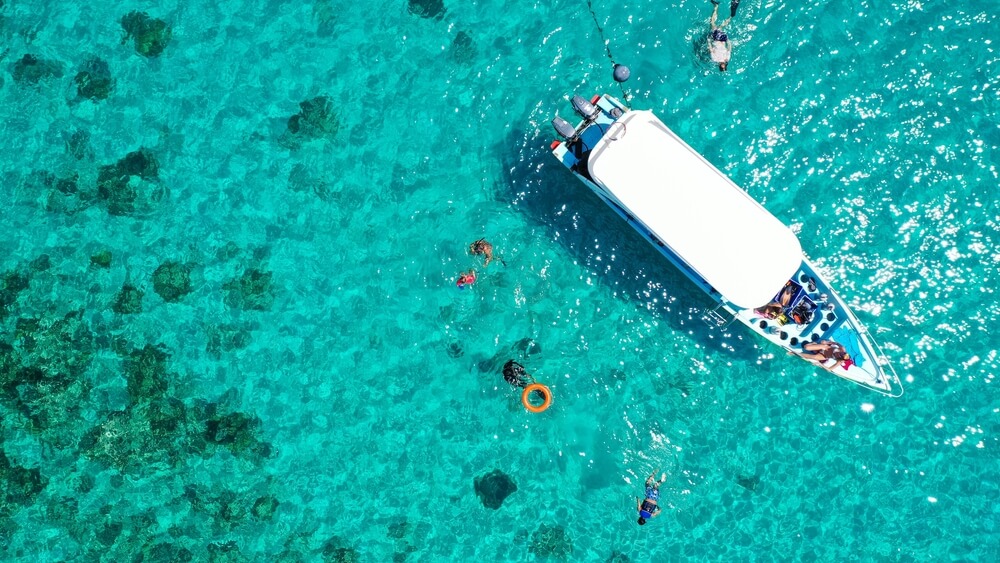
(621, 73)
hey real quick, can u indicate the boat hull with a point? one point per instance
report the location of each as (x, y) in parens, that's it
(814, 312)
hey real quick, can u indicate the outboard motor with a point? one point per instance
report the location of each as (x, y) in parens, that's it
(565, 130)
(587, 110)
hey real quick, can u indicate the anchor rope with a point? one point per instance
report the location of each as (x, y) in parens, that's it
(607, 48)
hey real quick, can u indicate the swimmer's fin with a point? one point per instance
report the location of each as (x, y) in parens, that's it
(732, 8)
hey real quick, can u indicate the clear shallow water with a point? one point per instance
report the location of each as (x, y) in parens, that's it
(344, 395)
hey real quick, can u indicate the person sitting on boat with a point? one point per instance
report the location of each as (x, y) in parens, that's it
(482, 247)
(718, 42)
(826, 353)
(649, 507)
(781, 302)
(515, 374)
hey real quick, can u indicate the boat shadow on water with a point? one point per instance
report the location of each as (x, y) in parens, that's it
(607, 247)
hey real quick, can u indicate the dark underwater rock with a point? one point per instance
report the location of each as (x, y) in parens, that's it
(618, 557)
(118, 442)
(325, 13)
(431, 9)
(236, 430)
(118, 184)
(62, 194)
(551, 541)
(264, 507)
(251, 291)
(528, 347)
(14, 281)
(455, 349)
(166, 551)
(108, 533)
(146, 373)
(20, 485)
(94, 81)
(226, 338)
(224, 552)
(101, 260)
(78, 145)
(398, 530)
(140, 163)
(128, 300)
(748, 482)
(172, 281)
(493, 488)
(160, 429)
(317, 119)
(62, 348)
(41, 264)
(150, 35)
(334, 551)
(167, 416)
(223, 426)
(32, 70)
(463, 48)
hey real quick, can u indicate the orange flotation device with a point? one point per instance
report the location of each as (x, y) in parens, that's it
(541, 389)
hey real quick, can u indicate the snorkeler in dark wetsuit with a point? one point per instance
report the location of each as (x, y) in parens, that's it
(482, 247)
(649, 507)
(514, 374)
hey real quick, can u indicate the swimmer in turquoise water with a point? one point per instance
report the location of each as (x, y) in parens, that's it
(484, 248)
(466, 278)
(514, 374)
(649, 507)
(718, 42)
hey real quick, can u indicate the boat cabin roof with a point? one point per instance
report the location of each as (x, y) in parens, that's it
(724, 235)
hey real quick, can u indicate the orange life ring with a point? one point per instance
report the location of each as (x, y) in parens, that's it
(540, 388)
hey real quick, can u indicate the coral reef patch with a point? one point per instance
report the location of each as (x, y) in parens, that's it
(31, 70)
(172, 281)
(94, 81)
(130, 184)
(463, 48)
(150, 36)
(316, 119)
(551, 541)
(128, 300)
(431, 9)
(251, 291)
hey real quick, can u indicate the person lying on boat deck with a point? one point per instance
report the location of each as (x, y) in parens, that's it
(826, 353)
(514, 374)
(483, 247)
(718, 42)
(649, 507)
(778, 306)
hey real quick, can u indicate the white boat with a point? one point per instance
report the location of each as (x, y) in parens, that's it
(717, 235)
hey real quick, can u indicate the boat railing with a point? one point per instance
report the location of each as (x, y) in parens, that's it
(714, 319)
(883, 361)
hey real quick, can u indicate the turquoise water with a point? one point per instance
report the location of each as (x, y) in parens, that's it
(243, 343)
